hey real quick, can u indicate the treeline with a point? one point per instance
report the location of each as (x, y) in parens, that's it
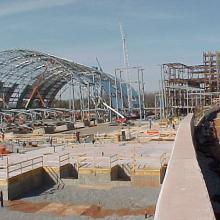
(149, 102)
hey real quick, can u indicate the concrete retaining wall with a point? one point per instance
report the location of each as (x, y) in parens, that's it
(146, 178)
(26, 182)
(22, 183)
(184, 194)
(93, 176)
(68, 171)
(114, 173)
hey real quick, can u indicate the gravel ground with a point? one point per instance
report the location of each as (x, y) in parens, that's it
(109, 198)
(113, 198)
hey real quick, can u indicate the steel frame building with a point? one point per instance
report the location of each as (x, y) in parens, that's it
(26, 75)
(186, 87)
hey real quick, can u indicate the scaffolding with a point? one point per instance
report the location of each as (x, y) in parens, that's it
(184, 88)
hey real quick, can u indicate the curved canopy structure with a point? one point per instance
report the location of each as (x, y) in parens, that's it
(27, 76)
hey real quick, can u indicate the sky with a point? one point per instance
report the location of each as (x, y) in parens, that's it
(157, 31)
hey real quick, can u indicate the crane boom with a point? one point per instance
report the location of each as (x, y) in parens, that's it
(112, 109)
(100, 68)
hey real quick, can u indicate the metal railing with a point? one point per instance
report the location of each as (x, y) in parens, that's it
(64, 159)
(56, 160)
(8, 170)
(94, 162)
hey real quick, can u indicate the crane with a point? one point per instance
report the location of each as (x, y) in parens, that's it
(126, 63)
(100, 68)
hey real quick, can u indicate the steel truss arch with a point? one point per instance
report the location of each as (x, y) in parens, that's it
(22, 70)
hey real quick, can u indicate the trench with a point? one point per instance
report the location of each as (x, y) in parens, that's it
(207, 144)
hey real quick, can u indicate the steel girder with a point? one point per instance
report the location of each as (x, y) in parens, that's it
(22, 70)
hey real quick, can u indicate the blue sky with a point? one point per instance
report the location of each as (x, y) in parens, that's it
(158, 31)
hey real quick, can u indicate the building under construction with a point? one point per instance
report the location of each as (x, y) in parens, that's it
(185, 88)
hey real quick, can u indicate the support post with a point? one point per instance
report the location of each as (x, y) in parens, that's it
(110, 100)
(80, 100)
(116, 92)
(143, 91)
(89, 101)
(122, 100)
(73, 99)
(139, 95)
(2, 199)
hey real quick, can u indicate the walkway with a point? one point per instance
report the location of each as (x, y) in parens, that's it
(184, 194)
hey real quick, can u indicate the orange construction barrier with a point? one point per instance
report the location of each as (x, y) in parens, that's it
(3, 150)
(152, 132)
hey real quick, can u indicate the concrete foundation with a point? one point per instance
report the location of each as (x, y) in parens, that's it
(28, 181)
(146, 178)
(20, 184)
(93, 175)
(61, 165)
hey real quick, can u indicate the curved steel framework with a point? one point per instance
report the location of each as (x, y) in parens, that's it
(22, 71)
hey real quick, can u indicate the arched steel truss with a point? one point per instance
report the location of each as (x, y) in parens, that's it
(22, 70)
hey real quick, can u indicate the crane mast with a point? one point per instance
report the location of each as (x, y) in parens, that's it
(126, 63)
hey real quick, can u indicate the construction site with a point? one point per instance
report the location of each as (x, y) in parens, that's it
(105, 155)
(109, 110)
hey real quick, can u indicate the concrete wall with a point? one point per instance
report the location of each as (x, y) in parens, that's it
(184, 194)
(146, 178)
(68, 171)
(114, 173)
(93, 176)
(51, 175)
(162, 173)
(20, 184)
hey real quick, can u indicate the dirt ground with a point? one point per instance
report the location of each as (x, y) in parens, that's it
(65, 209)
(83, 203)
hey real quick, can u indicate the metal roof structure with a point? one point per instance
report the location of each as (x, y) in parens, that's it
(22, 70)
